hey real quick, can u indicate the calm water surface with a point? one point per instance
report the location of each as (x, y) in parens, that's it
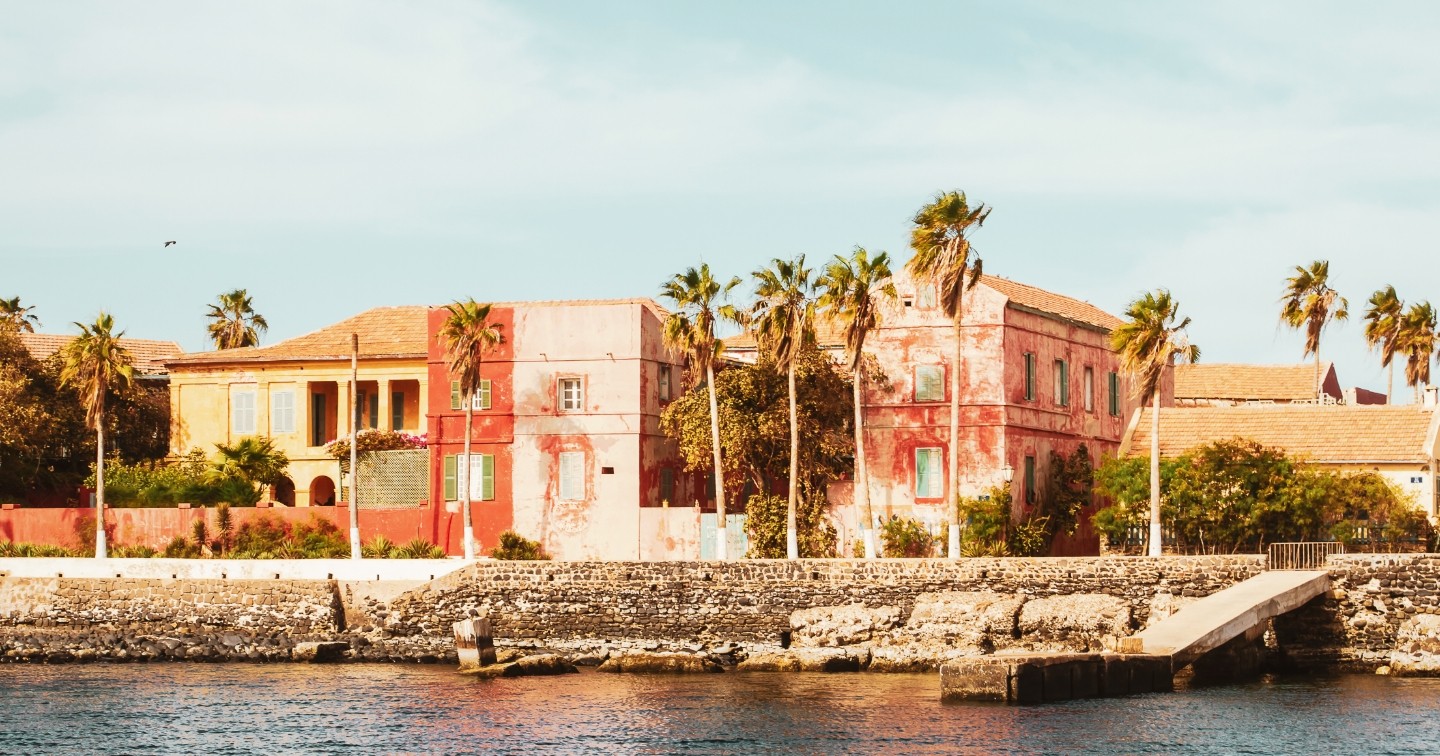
(243, 709)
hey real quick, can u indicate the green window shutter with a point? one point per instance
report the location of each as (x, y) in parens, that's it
(1029, 377)
(450, 493)
(485, 394)
(928, 483)
(487, 477)
(1062, 383)
(375, 410)
(455, 395)
(1114, 394)
(397, 410)
(1030, 480)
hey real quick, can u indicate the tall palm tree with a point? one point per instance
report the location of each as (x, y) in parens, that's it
(1417, 341)
(467, 335)
(945, 259)
(1311, 304)
(784, 321)
(234, 322)
(854, 289)
(1148, 342)
(17, 316)
(700, 300)
(1383, 318)
(96, 364)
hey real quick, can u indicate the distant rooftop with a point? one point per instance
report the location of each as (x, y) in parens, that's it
(1249, 383)
(1318, 433)
(385, 332)
(149, 355)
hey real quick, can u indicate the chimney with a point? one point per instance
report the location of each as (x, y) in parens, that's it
(1432, 393)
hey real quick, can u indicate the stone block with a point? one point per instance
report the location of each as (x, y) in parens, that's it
(978, 679)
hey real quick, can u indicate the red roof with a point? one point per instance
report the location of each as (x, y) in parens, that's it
(385, 332)
(1249, 383)
(149, 355)
(1040, 300)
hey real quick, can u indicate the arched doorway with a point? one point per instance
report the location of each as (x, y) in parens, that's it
(322, 492)
(284, 491)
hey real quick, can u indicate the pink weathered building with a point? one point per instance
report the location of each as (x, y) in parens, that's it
(566, 446)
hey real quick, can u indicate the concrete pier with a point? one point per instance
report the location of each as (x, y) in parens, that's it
(1043, 678)
(474, 643)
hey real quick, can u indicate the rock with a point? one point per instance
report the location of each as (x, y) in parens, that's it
(1072, 623)
(841, 625)
(978, 620)
(916, 657)
(588, 661)
(317, 652)
(645, 662)
(507, 655)
(1417, 646)
(807, 660)
(527, 666)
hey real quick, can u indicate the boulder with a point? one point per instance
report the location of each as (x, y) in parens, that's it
(317, 652)
(1417, 646)
(807, 660)
(831, 626)
(1077, 622)
(527, 666)
(977, 620)
(655, 662)
(917, 656)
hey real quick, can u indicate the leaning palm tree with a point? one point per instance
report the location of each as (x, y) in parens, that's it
(1383, 319)
(854, 290)
(699, 302)
(1149, 342)
(234, 322)
(467, 335)
(1417, 341)
(17, 316)
(784, 322)
(944, 258)
(1310, 304)
(96, 364)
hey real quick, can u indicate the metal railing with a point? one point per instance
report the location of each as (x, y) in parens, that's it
(1310, 555)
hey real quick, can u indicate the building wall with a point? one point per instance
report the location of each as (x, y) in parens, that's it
(204, 396)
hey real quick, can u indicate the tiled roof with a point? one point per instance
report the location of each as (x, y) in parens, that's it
(1281, 383)
(1318, 433)
(383, 331)
(828, 335)
(149, 355)
(1055, 304)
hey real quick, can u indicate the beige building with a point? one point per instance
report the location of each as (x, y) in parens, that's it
(297, 391)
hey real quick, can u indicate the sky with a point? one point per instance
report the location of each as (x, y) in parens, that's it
(333, 156)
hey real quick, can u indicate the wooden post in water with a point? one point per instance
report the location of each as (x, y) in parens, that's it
(474, 643)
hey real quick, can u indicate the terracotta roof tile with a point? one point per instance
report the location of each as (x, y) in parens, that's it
(149, 355)
(1055, 304)
(383, 331)
(1319, 433)
(1237, 382)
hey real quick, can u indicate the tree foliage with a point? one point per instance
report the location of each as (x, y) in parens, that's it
(765, 522)
(234, 322)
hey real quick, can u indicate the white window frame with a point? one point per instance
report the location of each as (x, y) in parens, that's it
(934, 474)
(282, 412)
(1089, 388)
(567, 400)
(571, 478)
(482, 400)
(664, 380)
(242, 411)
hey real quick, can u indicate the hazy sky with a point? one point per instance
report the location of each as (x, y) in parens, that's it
(330, 157)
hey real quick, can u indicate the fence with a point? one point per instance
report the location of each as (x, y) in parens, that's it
(394, 479)
(1310, 555)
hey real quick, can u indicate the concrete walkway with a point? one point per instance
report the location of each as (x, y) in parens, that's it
(1214, 620)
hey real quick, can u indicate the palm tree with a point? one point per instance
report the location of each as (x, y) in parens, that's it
(253, 459)
(1417, 341)
(784, 321)
(699, 302)
(1149, 342)
(854, 289)
(1311, 304)
(943, 258)
(234, 322)
(1383, 318)
(467, 334)
(95, 364)
(17, 316)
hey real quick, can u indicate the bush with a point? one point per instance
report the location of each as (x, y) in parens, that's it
(374, 440)
(9, 549)
(419, 548)
(515, 546)
(765, 524)
(904, 537)
(378, 547)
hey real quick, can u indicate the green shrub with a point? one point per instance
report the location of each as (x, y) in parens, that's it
(378, 547)
(320, 539)
(765, 524)
(419, 548)
(904, 537)
(515, 546)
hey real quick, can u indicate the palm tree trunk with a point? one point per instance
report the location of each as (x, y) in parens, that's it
(792, 532)
(469, 533)
(1390, 383)
(1317, 374)
(953, 483)
(721, 541)
(100, 551)
(862, 479)
(355, 552)
(1155, 476)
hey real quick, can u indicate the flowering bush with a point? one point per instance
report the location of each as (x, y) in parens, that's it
(375, 440)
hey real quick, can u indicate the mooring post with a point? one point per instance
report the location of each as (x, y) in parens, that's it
(474, 643)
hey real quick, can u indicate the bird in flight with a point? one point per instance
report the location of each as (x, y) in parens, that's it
(168, 243)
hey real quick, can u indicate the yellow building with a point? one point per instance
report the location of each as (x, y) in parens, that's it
(297, 391)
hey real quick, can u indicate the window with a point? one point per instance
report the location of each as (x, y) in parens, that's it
(1089, 388)
(397, 410)
(667, 484)
(481, 477)
(282, 412)
(480, 401)
(929, 478)
(925, 296)
(929, 383)
(1062, 383)
(572, 475)
(1029, 480)
(455, 395)
(571, 394)
(1029, 377)
(1114, 380)
(242, 411)
(317, 419)
(664, 383)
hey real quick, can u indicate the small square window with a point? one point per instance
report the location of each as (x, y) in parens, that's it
(925, 296)
(572, 394)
